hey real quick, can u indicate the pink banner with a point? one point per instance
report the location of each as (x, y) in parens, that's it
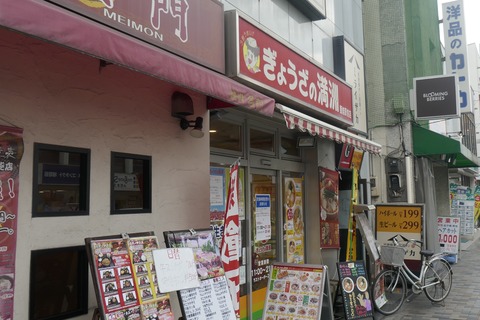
(42, 19)
(231, 241)
(11, 151)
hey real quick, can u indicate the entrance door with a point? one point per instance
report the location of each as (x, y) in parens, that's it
(264, 246)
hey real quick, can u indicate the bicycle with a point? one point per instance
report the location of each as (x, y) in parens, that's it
(390, 286)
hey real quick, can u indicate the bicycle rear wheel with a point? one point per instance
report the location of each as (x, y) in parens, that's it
(389, 291)
(438, 280)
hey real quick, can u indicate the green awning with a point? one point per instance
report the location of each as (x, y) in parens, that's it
(436, 146)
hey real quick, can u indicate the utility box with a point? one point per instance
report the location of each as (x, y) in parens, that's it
(396, 179)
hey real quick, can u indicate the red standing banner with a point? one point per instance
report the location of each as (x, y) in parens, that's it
(329, 209)
(11, 151)
(231, 240)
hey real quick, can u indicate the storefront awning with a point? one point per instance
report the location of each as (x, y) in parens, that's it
(47, 21)
(439, 147)
(316, 127)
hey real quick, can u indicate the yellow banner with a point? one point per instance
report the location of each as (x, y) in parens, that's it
(352, 225)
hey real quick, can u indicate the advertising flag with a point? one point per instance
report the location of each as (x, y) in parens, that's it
(231, 240)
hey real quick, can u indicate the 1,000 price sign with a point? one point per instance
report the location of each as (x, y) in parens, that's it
(399, 218)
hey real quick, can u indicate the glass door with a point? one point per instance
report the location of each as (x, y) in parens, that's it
(263, 194)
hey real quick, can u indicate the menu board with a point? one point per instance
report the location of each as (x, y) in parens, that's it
(296, 292)
(125, 278)
(353, 281)
(403, 219)
(212, 300)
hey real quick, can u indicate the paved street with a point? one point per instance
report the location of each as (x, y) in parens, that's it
(463, 303)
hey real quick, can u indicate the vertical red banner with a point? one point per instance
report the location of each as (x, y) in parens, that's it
(231, 241)
(329, 208)
(11, 151)
(346, 156)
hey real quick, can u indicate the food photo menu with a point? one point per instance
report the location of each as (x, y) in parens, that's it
(114, 272)
(355, 290)
(294, 292)
(126, 281)
(212, 300)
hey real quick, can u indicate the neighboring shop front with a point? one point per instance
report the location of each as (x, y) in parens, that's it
(279, 181)
(92, 101)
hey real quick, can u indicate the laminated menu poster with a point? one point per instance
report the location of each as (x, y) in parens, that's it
(296, 292)
(353, 281)
(212, 300)
(141, 254)
(121, 284)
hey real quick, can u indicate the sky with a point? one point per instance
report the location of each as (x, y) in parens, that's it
(472, 19)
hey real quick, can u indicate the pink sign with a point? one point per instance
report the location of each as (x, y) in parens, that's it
(191, 29)
(265, 61)
(11, 151)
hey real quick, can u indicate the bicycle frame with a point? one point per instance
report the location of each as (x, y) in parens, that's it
(390, 285)
(417, 280)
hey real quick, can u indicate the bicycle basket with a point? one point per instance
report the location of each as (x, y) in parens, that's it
(392, 255)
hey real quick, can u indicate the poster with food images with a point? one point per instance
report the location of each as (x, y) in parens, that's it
(295, 292)
(329, 205)
(212, 299)
(294, 226)
(144, 273)
(115, 277)
(127, 280)
(353, 281)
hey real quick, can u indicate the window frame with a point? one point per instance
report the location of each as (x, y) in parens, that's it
(84, 185)
(82, 281)
(147, 183)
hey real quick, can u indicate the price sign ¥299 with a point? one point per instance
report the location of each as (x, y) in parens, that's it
(404, 219)
(399, 219)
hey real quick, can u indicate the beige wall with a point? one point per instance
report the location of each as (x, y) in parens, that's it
(62, 97)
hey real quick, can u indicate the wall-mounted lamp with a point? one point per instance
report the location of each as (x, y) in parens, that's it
(196, 124)
(305, 141)
(182, 106)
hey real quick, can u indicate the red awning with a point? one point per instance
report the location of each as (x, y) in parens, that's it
(50, 22)
(324, 130)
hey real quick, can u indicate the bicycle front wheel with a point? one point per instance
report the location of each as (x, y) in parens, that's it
(437, 280)
(389, 291)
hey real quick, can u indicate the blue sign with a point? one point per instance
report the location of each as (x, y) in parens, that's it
(262, 200)
(60, 174)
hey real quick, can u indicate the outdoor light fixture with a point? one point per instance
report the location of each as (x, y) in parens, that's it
(196, 124)
(305, 141)
(182, 106)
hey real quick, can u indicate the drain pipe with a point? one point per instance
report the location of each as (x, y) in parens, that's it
(409, 178)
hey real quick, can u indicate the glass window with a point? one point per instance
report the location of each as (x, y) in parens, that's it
(262, 140)
(225, 135)
(131, 183)
(58, 283)
(60, 181)
(289, 147)
(264, 218)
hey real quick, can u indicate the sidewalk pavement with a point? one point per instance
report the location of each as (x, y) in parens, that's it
(463, 302)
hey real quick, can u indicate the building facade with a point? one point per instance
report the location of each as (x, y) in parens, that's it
(106, 106)
(402, 39)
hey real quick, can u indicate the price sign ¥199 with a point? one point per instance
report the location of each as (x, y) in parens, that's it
(404, 219)
(399, 218)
